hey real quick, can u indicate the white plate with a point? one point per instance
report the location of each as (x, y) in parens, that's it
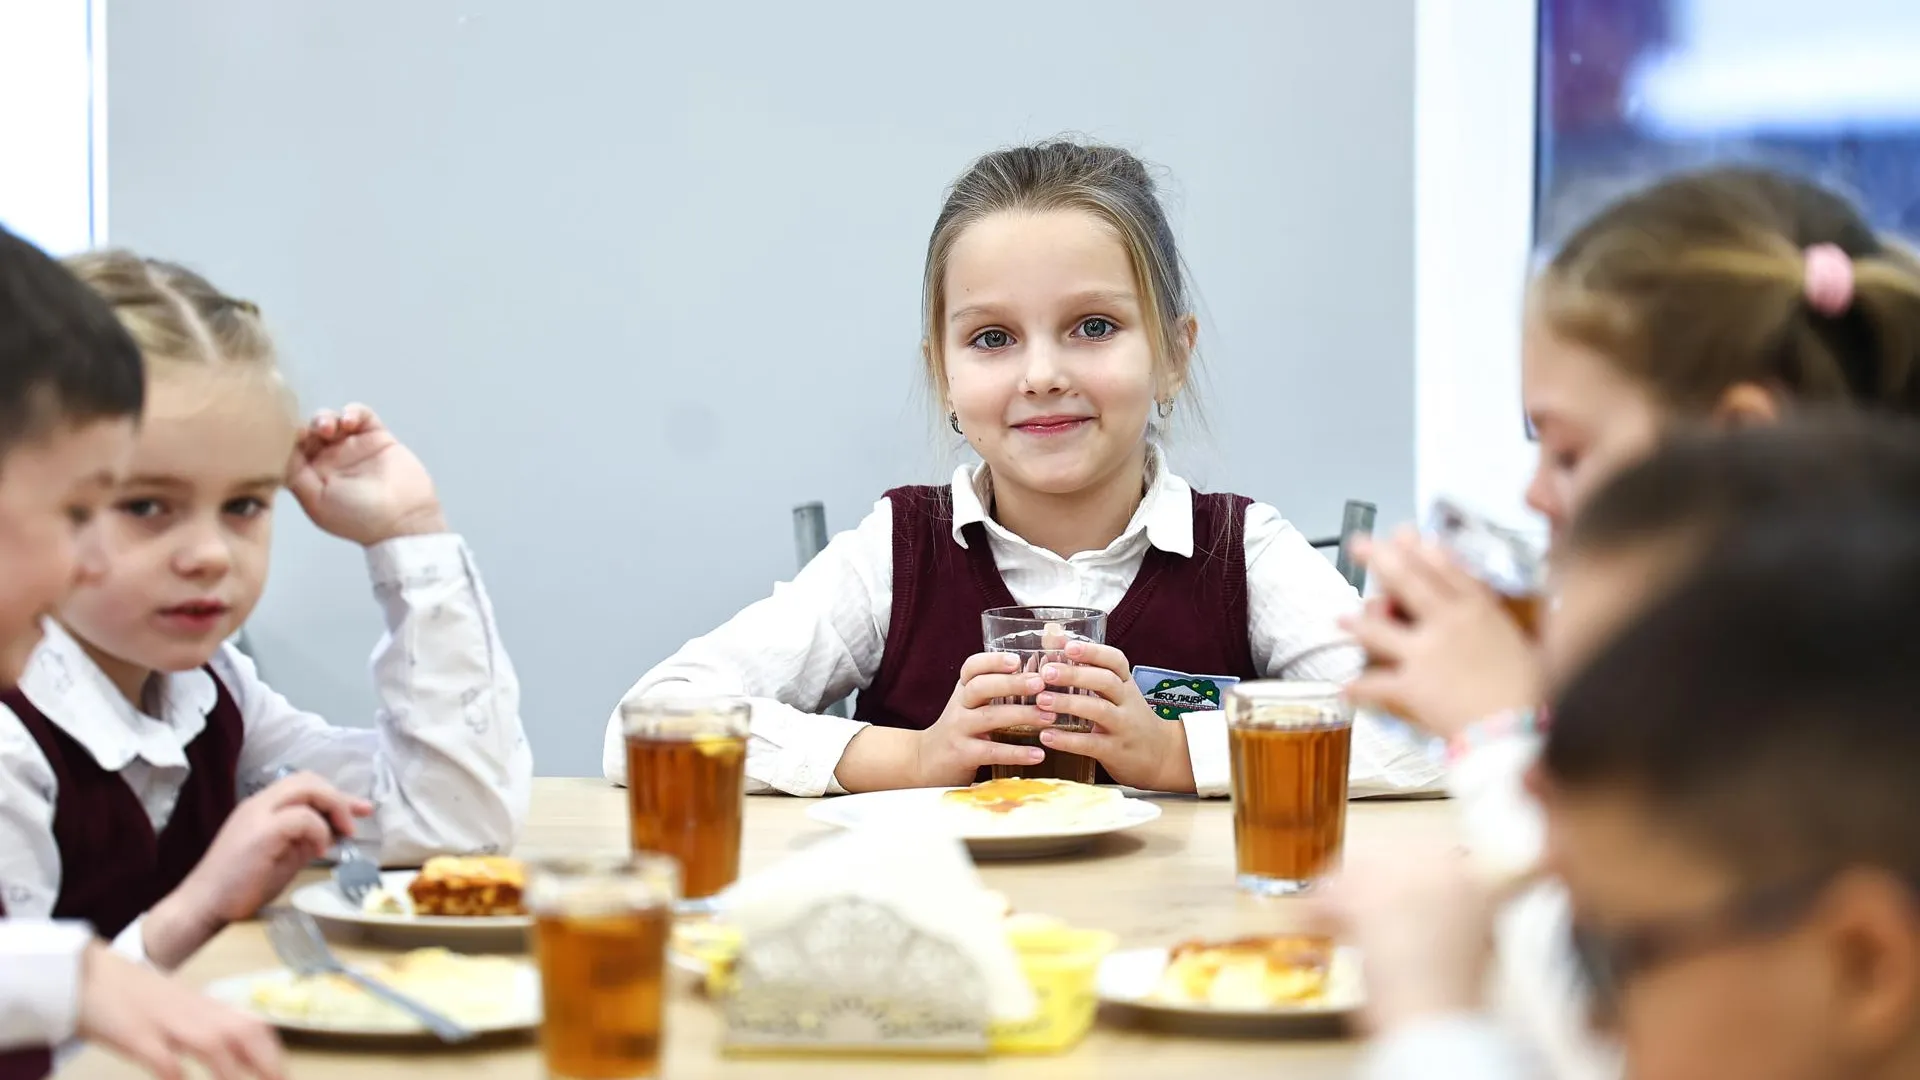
(921, 808)
(322, 901)
(1128, 979)
(521, 1013)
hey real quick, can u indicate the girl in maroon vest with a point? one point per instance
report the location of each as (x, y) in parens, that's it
(1058, 335)
(137, 724)
(71, 388)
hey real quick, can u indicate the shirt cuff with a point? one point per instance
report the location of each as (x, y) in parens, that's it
(1207, 750)
(40, 1003)
(407, 561)
(1458, 1047)
(132, 942)
(1500, 823)
(797, 752)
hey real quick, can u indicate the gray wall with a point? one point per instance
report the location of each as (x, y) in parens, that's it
(634, 278)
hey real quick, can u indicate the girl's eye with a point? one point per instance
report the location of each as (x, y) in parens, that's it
(142, 508)
(244, 507)
(991, 339)
(1097, 328)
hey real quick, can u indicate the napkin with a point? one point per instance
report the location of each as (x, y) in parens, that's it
(927, 881)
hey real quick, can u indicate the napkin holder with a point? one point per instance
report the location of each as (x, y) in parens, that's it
(850, 974)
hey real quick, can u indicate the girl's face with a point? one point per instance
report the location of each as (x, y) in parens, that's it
(1591, 419)
(187, 534)
(1049, 362)
(51, 490)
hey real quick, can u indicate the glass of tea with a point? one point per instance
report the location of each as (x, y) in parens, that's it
(1504, 559)
(1038, 636)
(600, 939)
(686, 787)
(1288, 744)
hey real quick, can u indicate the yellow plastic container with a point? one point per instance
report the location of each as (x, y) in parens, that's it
(1061, 963)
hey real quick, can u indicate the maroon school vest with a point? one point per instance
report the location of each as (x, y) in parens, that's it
(112, 864)
(1187, 614)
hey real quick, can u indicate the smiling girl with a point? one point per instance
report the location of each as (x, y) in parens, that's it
(1057, 334)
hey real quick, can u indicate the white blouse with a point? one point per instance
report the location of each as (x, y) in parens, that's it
(446, 763)
(820, 637)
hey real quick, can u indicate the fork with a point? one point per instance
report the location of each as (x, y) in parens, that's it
(354, 874)
(296, 940)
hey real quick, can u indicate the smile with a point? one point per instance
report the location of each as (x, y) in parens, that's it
(1052, 425)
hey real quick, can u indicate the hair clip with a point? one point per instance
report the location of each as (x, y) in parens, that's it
(1828, 280)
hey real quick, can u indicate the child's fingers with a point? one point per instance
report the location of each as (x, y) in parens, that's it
(984, 690)
(991, 718)
(986, 752)
(1093, 744)
(1104, 657)
(1376, 688)
(1405, 576)
(1386, 640)
(1104, 681)
(356, 418)
(988, 663)
(1090, 707)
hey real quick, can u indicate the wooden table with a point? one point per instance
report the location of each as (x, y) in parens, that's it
(1165, 881)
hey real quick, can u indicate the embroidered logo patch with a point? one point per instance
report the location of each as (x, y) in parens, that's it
(1173, 698)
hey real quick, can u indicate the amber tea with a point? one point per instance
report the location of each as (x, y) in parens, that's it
(600, 940)
(1039, 636)
(686, 787)
(1288, 748)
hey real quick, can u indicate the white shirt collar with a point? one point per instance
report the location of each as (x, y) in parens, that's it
(74, 695)
(1165, 513)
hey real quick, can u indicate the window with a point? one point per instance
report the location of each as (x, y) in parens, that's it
(52, 136)
(1628, 89)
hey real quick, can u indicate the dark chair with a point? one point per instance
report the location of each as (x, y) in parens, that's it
(809, 538)
(1357, 520)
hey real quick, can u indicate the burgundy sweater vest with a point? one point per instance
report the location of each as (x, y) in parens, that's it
(113, 866)
(1187, 614)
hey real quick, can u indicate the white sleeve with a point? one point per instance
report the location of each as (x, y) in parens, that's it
(1464, 1047)
(1295, 599)
(1537, 984)
(1500, 823)
(446, 763)
(815, 640)
(39, 981)
(29, 855)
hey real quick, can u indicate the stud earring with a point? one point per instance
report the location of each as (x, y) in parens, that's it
(953, 421)
(1164, 408)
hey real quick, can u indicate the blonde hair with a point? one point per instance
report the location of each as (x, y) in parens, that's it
(1699, 283)
(175, 315)
(1110, 184)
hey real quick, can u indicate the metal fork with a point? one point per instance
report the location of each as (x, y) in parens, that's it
(354, 874)
(296, 940)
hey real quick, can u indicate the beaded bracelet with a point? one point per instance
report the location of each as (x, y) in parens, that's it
(1500, 725)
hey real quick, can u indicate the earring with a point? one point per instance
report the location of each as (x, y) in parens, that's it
(1164, 408)
(953, 420)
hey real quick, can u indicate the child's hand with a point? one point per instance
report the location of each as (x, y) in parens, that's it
(1457, 657)
(267, 839)
(146, 1016)
(956, 745)
(1423, 924)
(1138, 748)
(358, 482)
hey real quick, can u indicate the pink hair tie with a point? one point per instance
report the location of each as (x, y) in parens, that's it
(1828, 280)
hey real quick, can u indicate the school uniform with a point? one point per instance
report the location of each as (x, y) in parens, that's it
(1202, 591)
(105, 808)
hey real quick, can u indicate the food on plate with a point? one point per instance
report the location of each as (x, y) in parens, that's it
(469, 885)
(472, 990)
(1249, 973)
(1031, 804)
(384, 901)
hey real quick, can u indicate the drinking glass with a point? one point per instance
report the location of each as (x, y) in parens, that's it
(1038, 636)
(1288, 744)
(600, 939)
